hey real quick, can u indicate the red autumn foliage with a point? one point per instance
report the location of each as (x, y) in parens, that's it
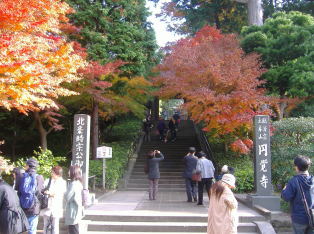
(93, 84)
(248, 142)
(239, 147)
(217, 80)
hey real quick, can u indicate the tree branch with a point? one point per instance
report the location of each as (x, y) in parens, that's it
(242, 1)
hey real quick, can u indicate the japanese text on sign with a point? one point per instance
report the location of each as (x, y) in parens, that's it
(262, 154)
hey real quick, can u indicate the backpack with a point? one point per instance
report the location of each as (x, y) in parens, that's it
(27, 190)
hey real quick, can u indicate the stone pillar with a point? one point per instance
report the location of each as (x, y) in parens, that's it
(81, 142)
(262, 166)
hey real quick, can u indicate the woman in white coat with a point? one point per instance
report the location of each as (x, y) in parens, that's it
(222, 211)
(56, 190)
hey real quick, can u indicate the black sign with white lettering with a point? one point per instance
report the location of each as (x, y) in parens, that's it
(81, 141)
(262, 162)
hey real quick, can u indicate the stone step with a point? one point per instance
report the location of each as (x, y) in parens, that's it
(159, 227)
(163, 173)
(175, 178)
(161, 169)
(91, 232)
(135, 185)
(159, 189)
(163, 218)
(161, 181)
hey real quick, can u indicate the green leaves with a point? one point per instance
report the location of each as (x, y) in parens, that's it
(292, 137)
(46, 161)
(286, 44)
(117, 30)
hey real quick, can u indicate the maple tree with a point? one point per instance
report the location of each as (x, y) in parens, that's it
(35, 58)
(218, 82)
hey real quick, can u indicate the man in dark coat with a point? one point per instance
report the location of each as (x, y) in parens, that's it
(190, 161)
(293, 193)
(12, 218)
(161, 127)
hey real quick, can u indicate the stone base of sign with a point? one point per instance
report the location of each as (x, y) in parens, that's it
(271, 202)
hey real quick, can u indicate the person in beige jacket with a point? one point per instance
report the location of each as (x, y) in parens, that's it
(222, 211)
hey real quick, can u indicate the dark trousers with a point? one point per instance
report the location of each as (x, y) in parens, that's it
(161, 134)
(173, 135)
(146, 136)
(73, 229)
(207, 183)
(190, 187)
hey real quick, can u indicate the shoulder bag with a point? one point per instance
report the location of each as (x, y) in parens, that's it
(309, 210)
(196, 176)
(44, 197)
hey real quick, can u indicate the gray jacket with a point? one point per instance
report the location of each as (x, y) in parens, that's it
(153, 167)
(74, 210)
(189, 165)
(205, 167)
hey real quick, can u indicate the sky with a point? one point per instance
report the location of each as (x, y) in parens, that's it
(162, 35)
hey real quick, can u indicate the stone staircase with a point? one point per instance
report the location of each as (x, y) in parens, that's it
(128, 211)
(130, 223)
(172, 167)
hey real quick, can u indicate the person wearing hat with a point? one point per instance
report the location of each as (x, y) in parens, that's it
(206, 168)
(224, 170)
(32, 212)
(190, 161)
(222, 210)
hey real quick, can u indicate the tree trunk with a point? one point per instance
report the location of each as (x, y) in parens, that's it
(42, 131)
(255, 11)
(95, 128)
(282, 107)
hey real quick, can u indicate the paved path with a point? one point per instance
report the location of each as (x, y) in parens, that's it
(167, 203)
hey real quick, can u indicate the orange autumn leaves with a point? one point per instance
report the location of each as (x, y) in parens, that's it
(35, 58)
(218, 81)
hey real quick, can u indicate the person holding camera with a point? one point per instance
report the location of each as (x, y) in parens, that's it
(154, 157)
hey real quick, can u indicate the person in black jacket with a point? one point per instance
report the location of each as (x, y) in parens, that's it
(172, 129)
(300, 184)
(12, 218)
(32, 213)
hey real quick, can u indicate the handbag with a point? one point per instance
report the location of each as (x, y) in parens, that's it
(196, 176)
(308, 210)
(44, 198)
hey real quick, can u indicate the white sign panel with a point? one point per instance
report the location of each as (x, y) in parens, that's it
(104, 152)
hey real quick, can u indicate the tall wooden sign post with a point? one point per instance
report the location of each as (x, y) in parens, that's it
(81, 142)
(262, 166)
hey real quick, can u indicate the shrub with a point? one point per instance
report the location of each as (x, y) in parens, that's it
(46, 161)
(243, 166)
(292, 137)
(124, 133)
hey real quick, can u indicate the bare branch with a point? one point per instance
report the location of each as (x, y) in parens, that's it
(242, 1)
